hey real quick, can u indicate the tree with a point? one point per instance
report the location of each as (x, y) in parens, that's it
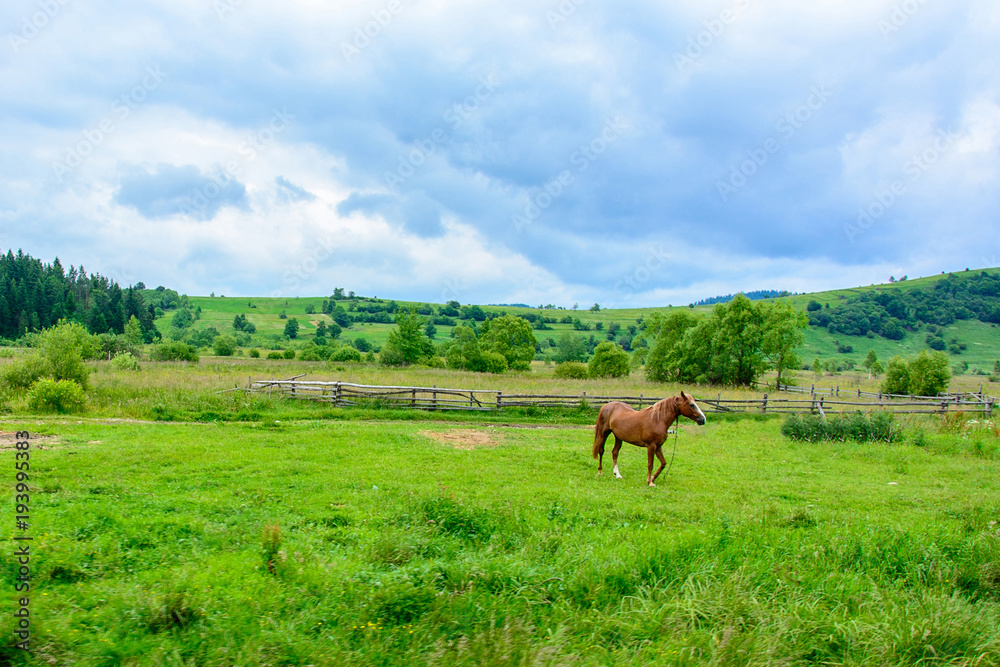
(929, 373)
(666, 333)
(897, 377)
(224, 346)
(512, 338)
(464, 352)
(407, 343)
(783, 332)
(133, 332)
(870, 360)
(570, 348)
(430, 330)
(292, 328)
(609, 360)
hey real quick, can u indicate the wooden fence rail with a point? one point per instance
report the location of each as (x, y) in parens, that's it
(347, 394)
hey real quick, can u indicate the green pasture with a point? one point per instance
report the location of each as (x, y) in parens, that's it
(374, 542)
(982, 339)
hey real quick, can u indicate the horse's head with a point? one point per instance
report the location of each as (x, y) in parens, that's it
(690, 409)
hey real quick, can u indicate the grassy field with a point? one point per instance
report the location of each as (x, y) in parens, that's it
(389, 543)
(982, 339)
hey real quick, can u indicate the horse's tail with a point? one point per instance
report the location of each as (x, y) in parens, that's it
(601, 432)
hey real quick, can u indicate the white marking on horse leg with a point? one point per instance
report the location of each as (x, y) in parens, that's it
(618, 474)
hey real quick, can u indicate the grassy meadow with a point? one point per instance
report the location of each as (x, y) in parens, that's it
(381, 542)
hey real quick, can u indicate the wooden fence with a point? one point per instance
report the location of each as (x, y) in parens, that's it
(347, 394)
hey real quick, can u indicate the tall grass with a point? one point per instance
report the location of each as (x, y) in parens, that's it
(371, 543)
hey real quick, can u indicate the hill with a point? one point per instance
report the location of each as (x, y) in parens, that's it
(974, 343)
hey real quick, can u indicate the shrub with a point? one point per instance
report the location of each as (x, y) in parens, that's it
(494, 362)
(224, 346)
(62, 396)
(254, 353)
(872, 427)
(23, 373)
(609, 360)
(173, 351)
(288, 354)
(346, 353)
(571, 369)
(64, 348)
(275, 354)
(123, 361)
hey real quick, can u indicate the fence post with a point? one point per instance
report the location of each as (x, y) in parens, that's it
(821, 413)
(585, 400)
(812, 390)
(944, 407)
(434, 397)
(640, 401)
(499, 400)
(838, 390)
(763, 407)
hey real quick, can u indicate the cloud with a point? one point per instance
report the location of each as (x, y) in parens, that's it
(449, 121)
(166, 190)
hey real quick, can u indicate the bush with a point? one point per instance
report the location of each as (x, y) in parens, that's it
(288, 354)
(64, 348)
(609, 360)
(275, 354)
(23, 373)
(494, 362)
(346, 353)
(173, 351)
(224, 346)
(62, 396)
(254, 353)
(872, 427)
(571, 369)
(124, 361)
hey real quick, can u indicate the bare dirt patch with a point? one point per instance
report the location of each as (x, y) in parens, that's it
(467, 439)
(9, 438)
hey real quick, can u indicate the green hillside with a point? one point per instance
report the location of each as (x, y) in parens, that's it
(980, 340)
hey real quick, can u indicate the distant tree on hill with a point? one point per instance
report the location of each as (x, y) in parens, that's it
(292, 328)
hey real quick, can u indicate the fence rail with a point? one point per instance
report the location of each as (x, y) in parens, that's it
(347, 394)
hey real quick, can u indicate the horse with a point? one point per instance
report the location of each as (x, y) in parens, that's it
(645, 428)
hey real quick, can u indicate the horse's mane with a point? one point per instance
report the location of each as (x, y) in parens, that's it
(662, 408)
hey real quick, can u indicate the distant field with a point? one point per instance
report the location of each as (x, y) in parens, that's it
(423, 543)
(982, 339)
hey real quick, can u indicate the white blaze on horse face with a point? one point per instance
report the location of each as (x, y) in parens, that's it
(701, 415)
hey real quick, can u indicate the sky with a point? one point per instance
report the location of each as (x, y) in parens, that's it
(563, 152)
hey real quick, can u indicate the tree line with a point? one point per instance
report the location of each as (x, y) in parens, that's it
(891, 312)
(35, 295)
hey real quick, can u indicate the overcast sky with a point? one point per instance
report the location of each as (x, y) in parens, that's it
(629, 153)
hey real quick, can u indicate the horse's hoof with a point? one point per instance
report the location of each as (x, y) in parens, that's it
(652, 485)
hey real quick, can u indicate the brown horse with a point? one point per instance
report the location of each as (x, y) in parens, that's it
(645, 428)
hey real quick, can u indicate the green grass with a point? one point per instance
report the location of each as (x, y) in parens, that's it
(982, 339)
(396, 548)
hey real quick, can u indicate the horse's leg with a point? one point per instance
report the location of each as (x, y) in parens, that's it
(650, 453)
(614, 455)
(599, 440)
(663, 464)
